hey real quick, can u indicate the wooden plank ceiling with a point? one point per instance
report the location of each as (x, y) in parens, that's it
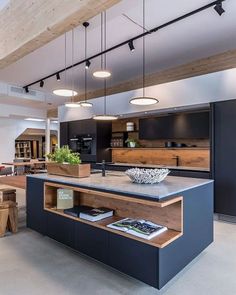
(27, 25)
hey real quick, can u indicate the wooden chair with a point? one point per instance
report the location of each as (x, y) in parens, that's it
(8, 217)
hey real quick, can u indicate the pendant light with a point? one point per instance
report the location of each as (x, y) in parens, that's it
(64, 91)
(105, 116)
(85, 103)
(143, 100)
(103, 73)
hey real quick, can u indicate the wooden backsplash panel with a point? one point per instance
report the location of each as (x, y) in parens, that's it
(187, 157)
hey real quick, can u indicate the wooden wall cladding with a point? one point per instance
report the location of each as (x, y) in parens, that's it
(187, 157)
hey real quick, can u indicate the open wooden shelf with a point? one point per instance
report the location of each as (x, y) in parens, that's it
(168, 213)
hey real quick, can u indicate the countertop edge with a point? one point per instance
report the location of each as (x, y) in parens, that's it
(121, 192)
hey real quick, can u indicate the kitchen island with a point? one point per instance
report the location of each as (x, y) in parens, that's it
(184, 205)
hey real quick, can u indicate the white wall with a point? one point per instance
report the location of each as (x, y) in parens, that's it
(193, 91)
(10, 129)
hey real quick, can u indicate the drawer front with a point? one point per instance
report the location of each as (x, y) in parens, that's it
(91, 241)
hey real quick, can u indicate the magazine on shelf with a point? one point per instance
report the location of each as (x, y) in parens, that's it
(138, 227)
(76, 210)
(96, 214)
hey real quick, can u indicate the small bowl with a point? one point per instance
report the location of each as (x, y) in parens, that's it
(147, 176)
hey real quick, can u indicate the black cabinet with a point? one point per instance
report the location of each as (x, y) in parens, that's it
(64, 133)
(224, 157)
(91, 241)
(61, 229)
(133, 258)
(36, 216)
(101, 138)
(175, 126)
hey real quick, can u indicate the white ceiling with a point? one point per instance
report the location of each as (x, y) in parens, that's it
(199, 36)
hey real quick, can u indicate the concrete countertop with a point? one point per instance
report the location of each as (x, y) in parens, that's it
(160, 166)
(118, 182)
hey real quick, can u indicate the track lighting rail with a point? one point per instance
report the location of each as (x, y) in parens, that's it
(216, 4)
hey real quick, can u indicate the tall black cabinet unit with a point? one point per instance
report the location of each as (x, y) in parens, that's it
(224, 156)
(100, 131)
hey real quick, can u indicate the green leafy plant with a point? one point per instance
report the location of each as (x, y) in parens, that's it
(64, 155)
(132, 142)
(130, 139)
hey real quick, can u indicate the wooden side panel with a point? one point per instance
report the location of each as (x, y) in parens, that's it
(187, 157)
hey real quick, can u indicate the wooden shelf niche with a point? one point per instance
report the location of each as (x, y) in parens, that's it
(168, 213)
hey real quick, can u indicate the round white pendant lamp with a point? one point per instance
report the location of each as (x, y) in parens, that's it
(144, 100)
(72, 105)
(103, 74)
(104, 116)
(65, 92)
(85, 103)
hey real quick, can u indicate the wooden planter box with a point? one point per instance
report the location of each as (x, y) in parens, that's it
(81, 170)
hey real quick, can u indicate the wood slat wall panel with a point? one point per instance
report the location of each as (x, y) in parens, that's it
(189, 158)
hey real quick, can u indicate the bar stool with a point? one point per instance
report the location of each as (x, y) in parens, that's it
(8, 217)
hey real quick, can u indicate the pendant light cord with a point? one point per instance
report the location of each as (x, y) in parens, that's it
(65, 59)
(105, 62)
(144, 52)
(85, 70)
(72, 54)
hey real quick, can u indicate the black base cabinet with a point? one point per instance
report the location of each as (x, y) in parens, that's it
(91, 241)
(61, 229)
(36, 216)
(133, 258)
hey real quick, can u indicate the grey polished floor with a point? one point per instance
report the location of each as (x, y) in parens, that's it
(31, 264)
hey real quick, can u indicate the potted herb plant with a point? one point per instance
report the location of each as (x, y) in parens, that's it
(131, 142)
(67, 163)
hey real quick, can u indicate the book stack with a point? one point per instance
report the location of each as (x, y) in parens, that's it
(138, 227)
(89, 213)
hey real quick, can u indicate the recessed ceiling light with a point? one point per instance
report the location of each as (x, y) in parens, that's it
(34, 119)
(65, 92)
(102, 74)
(86, 104)
(105, 117)
(55, 122)
(143, 101)
(72, 105)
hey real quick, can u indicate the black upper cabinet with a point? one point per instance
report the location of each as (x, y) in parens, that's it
(179, 126)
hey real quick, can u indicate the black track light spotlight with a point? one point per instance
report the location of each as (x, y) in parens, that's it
(218, 8)
(58, 77)
(41, 84)
(131, 45)
(87, 64)
(26, 89)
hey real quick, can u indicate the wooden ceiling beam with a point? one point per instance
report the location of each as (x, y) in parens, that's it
(52, 113)
(215, 63)
(27, 25)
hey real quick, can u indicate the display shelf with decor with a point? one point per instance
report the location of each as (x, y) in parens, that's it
(66, 163)
(167, 213)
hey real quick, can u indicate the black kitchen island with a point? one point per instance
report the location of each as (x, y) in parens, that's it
(184, 205)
